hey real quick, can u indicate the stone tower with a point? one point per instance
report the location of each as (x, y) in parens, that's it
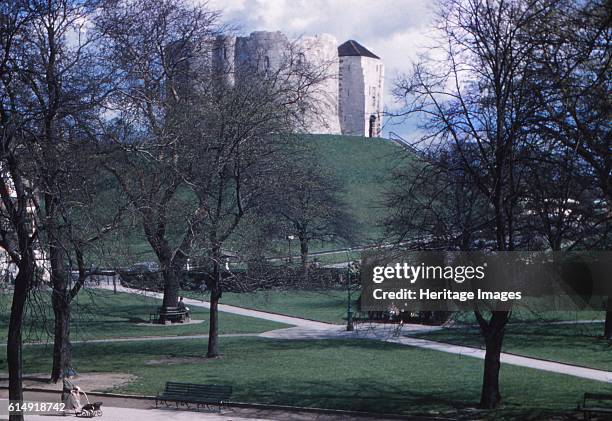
(223, 58)
(349, 98)
(268, 51)
(261, 50)
(361, 90)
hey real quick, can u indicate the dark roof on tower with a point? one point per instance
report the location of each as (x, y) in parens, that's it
(353, 48)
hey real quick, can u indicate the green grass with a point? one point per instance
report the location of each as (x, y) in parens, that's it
(99, 314)
(569, 343)
(325, 305)
(364, 165)
(528, 313)
(579, 344)
(337, 257)
(359, 375)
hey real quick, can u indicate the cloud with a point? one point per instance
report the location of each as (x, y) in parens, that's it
(392, 29)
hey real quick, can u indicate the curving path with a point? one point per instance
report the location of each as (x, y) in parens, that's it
(312, 330)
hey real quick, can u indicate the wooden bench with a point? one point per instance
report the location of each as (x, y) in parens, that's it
(596, 403)
(202, 395)
(172, 314)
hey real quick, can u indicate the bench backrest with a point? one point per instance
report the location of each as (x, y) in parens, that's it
(176, 388)
(210, 391)
(213, 391)
(598, 396)
(172, 310)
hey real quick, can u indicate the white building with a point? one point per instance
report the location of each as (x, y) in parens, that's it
(361, 90)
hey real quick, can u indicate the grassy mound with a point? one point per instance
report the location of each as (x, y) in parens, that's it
(365, 166)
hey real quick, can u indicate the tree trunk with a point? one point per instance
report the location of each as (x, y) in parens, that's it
(490, 396)
(62, 349)
(493, 334)
(304, 255)
(171, 276)
(14, 356)
(213, 330)
(608, 323)
(60, 300)
(215, 294)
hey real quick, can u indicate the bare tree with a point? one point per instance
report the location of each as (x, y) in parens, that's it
(435, 205)
(64, 87)
(311, 205)
(18, 231)
(241, 132)
(475, 94)
(573, 89)
(559, 204)
(154, 48)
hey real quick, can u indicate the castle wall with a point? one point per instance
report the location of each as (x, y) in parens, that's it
(223, 58)
(349, 100)
(321, 52)
(261, 51)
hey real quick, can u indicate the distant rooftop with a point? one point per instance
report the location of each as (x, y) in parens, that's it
(353, 48)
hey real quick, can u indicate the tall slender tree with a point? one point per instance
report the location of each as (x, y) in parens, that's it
(18, 229)
(241, 132)
(64, 87)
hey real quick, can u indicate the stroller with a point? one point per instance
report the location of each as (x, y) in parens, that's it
(89, 410)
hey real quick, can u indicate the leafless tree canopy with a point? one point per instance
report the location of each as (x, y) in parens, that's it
(514, 106)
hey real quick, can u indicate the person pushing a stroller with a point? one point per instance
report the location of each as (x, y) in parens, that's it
(71, 396)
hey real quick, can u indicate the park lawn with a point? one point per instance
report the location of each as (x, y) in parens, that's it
(579, 343)
(523, 314)
(360, 375)
(100, 314)
(322, 305)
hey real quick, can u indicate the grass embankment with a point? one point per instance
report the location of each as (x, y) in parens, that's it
(100, 314)
(359, 375)
(364, 165)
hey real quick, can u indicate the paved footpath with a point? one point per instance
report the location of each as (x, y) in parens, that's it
(308, 329)
(171, 414)
(131, 409)
(296, 321)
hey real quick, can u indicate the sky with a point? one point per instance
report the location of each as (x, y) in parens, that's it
(395, 30)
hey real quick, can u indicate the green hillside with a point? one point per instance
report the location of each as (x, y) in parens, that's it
(365, 166)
